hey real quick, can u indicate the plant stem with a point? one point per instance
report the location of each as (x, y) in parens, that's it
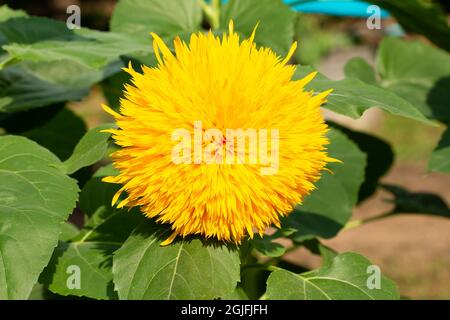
(358, 222)
(259, 266)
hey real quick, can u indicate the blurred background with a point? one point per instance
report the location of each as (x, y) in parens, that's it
(414, 250)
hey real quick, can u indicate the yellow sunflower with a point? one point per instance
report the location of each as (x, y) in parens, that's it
(178, 160)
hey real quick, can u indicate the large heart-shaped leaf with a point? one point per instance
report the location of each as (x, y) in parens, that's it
(187, 269)
(276, 22)
(165, 18)
(328, 208)
(346, 277)
(35, 200)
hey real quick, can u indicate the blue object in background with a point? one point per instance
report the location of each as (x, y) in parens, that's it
(349, 8)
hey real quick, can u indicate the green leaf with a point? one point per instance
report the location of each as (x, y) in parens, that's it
(420, 16)
(71, 60)
(89, 49)
(424, 85)
(70, 74)
(91, 148)
(352, 97)
(38, 292)
(35, 200)
(416, 202)
(267, 247)
(380, 158)
(318, 248)
(54, 64)
(20, 122)
(92, 253)
(60, 134)
(187, 269)
(237, 294)
(13, 30)
(358, 68)
(68, 231)
(97, 194)
(326, 210)
(345, 278)
(440, 158)
(107, 170)
(253, 282)
(21, 90)
(113, 88)
(165, 18)
(7, 13)
(94, 262)
(276, 22)
(92, 248)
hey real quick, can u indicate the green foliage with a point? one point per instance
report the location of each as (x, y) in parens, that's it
(54, 127)
(165, 18)
(440, 159)
(420, 16)
(276, 22)
(424, 85)
(416, 202)
(189, 269)
(43, 65)
(60, 134)
(36, 199)
(315, 41)
(267, 247)
(21, 90)
(327, 210)
(91, 148)
(91, 250)
(352, 97)
(344, 278)
(380, 158)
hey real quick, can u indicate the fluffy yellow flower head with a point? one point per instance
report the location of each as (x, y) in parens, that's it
(210, 87)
